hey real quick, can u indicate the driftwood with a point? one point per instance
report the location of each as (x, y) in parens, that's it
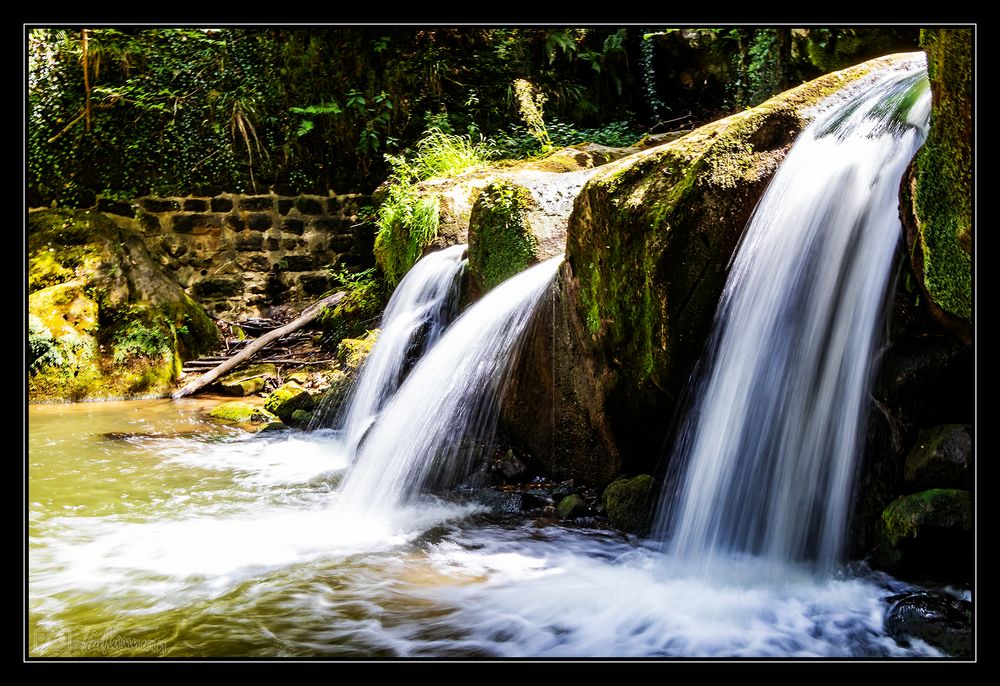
(250, 350)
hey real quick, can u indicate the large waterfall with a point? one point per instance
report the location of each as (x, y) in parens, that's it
(423, 304)
(765, 458)
(445, 412)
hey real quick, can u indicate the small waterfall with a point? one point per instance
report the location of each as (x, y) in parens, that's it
(765, 460)
(445, 413)
(423, 304)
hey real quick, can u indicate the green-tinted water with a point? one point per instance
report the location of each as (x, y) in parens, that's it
(156, 532)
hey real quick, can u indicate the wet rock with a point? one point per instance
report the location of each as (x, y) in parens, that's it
(648, 246)
(571, 507)
(511, 502)
(563, 489)
(300, 419)
(942, 458)
(288, 398)
(510, 466)
(627, 503)
(929, 534)
(240, 412)
(942, 621)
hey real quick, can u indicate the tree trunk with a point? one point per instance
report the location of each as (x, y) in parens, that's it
(307, 316)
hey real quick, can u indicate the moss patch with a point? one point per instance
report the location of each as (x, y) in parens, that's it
(501, 242)
(942, 196)
(112, 323)
(929, 534)
(354, 351)
(237, 411)
(286, 399)
(355, 314)
(627, 503)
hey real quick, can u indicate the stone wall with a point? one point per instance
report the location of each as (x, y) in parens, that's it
(242, 255)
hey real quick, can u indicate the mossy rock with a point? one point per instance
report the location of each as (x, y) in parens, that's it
(243, 387)
(300, 419)
(937, 193)
(501, 241)
(647, 253)
(288, 398)
(354, 315)
(108, 322)
(572, 507)
(941, 458)
(242, 412)
(248, 381)
(929, 534)
(354, 351)
(627, 503)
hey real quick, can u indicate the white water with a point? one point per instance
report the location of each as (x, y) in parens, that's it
(444, 414)
(423, 304)
(768, 446)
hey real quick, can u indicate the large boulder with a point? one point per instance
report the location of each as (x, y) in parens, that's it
(648, 247)
(936, 193)
(105, 320)
(929, 534)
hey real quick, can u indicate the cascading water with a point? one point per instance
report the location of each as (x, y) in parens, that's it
(765, 459)
(154, 532)
(423, 304)
(446, 409)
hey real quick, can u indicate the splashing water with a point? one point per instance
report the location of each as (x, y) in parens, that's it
(423, 304)
(765, 460)
(445, 412)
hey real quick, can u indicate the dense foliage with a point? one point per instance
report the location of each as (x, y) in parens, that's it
(125, 111)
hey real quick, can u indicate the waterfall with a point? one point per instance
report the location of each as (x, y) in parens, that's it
(764, 463)
(423, 304)
(445, 413)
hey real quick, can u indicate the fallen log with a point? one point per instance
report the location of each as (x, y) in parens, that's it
(250, 350)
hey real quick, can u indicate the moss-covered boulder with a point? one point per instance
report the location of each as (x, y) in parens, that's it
(648, 248)
(105, 320)
(242, 412)
(941, 458)
(937, 191)
(501, 242)
(929, 534)
(436, 212)
(571, 507)
(628, 504)
(288, 398)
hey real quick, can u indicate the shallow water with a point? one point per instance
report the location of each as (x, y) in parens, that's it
(175, 536)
